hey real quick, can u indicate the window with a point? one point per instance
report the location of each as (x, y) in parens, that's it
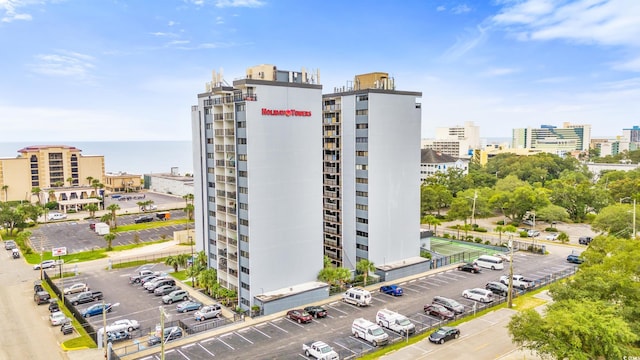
(209, 141)
(362, 193)
(212, 228)
(362, 233)
(212, 213)
(362, 139)
(211, 184)
(242, 124)
(243, 190)
(244, 238)
(211, 170)
(244, 270)
(362, 247)
(362, 126)
(244, 206)
(244, 254)
(362, 220)
(244, 222)
(362, 207)
(361, 167)
(241, 107)
(362, 97)
(242, 141)
(212, 199)
(362, 153)
(362, 181)
(362, 112)
(209, 155)
(245, 302)
(244, 285)
(242, 173)
(242, 157)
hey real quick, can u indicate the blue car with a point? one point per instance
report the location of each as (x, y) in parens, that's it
(394, 290)
(188, 306)
(96, 309)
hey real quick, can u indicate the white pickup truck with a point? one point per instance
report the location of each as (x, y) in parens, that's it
(519, 281)
(319, 350)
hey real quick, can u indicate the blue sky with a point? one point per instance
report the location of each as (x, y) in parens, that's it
(130, 70)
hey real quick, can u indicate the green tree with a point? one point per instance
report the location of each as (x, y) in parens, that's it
(202, 260)
(208, 278)
(173, 262)
(189, 210)
(92, 208)
(364, 266)
(70, 181)
(434, 197)
(5, 189)
(459, 210)
(432, 221)
(551, 213)
(11, 218)
(183, 259)
(106, 218)
(563, 237)
(113, 208)
(89, 180)
(188, 198)
(343, 275)
(109, 239)
(35, 191)
(31, 211)
(616, 220)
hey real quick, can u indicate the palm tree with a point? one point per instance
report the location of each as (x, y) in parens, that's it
(36, 191)
(188, 198)
(207, 278)
(113, 208)
(172, 261)
(58, 184)
(5, 188)
(92, 208)
(182, 260)
(95, 183)
(109, 239)
(90, 180)
(364, 266)
(343, 275)
(70, 181)
(52, 194)
(189, 210)
(201, 259)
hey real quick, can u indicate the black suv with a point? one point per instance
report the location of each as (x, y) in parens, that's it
(497, 288)
(585, 240)
(143, 219)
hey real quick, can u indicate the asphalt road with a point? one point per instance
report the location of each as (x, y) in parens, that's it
(280, 338)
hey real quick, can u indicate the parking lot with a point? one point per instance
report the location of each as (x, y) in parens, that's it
(282, 338)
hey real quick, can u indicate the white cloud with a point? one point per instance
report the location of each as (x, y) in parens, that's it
(219, 20)
(473, 38)
(239, 3)
(499, 72)
(441, 8)
(553, 80)
(64, 63)
(460, 9)
(604, 22)
(10, 9)
(629, 65)
(171, 23)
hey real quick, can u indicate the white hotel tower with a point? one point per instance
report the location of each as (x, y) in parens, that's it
(258, 181)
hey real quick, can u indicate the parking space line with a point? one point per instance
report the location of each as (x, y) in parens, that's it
(256, 328)
(410, 289)
(188, 346)
(278, 327)
(302, 356)
(378, 299)
(338, 310)
(222, 341)
(249, 341)
(422, 286)
(208, 340)
(344, 347)
(185, 356)
(440, 280)
(205, 349)
(360, 341)
(294, 323)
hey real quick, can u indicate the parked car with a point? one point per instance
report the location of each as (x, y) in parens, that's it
(497, 288)
(574, 259)
(299, 315)
(15, 253)
(469, 267)
(478, 294)
(439, 311)
(519, 281)
(503, 257)
(9, 245)
(188, 306)
(443, 334)
(143, 219)
(147, 278)
(96, 309)
(92, 226)
(533, 233)
(585, 240)
(41, 297)
(58, 318)
(85, 297)
(208, 312)
(54, 305)
(76, 288)
(316, 311)
(449, 304)
(124, 325)
(113, 336)
(47, 264)
(176, 295)
(164, 290)
(552, 236)
(394, 290)
(56, 216)
(170, 333)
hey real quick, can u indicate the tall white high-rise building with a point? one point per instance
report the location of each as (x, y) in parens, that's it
(258, 181)
(371, 172)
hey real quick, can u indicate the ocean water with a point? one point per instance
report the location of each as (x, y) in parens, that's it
(133, 157)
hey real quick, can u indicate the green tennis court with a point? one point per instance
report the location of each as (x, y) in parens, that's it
(447, 247)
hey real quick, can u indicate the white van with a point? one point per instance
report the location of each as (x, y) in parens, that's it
(489, 262)
(57, 216)
(357, 296)
(395, 321)
(366, 330)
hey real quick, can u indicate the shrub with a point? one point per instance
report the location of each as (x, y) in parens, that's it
(524, 234)
(500, 222)
(551, 229)
(71, 211)
(482, 230)
(478, 240)
(469, 238)
(425, 254)
(487, 242)
(446, 236)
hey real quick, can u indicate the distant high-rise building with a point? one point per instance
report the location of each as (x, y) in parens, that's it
(562, 140)
(457, 141)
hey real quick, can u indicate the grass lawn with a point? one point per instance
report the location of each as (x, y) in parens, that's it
(34, 258)
(150, 225)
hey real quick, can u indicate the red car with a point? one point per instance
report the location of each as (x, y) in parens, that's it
(439, 311)
(299, 315)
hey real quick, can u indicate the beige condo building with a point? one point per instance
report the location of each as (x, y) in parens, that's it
(59, 171)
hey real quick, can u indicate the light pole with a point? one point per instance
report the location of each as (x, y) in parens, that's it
(473, 209)
(104, 327)
(162, 316)
(510, 294)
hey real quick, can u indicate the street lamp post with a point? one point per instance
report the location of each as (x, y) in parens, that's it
(510, 294)
(473, 209)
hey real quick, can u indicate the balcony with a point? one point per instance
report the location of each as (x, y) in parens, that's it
(233, 256)
(231, 194)
(331, 194)
(218, 117)
(230, 148)
(331, 181)
(231, 164)
(332, 254)
(232, 226)
(219, 148)
(331, 242)
(220, 193)
(233, 242)
(219, 162)
(332, 218)
(222, 252)
(331, 170)
(221, 208)
(333, 107)
(229, 132)
(331, 206)
(331, 230)
(228, 116)
(219, 132)
(231, 179)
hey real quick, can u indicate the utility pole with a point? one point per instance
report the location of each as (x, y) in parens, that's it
(510, 294)
(473, 210)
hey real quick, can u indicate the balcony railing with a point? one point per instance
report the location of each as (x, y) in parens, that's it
(331, 194)
(332, 218)
(330, 230)
(330, 170)
(333, 107)
(331, 206)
